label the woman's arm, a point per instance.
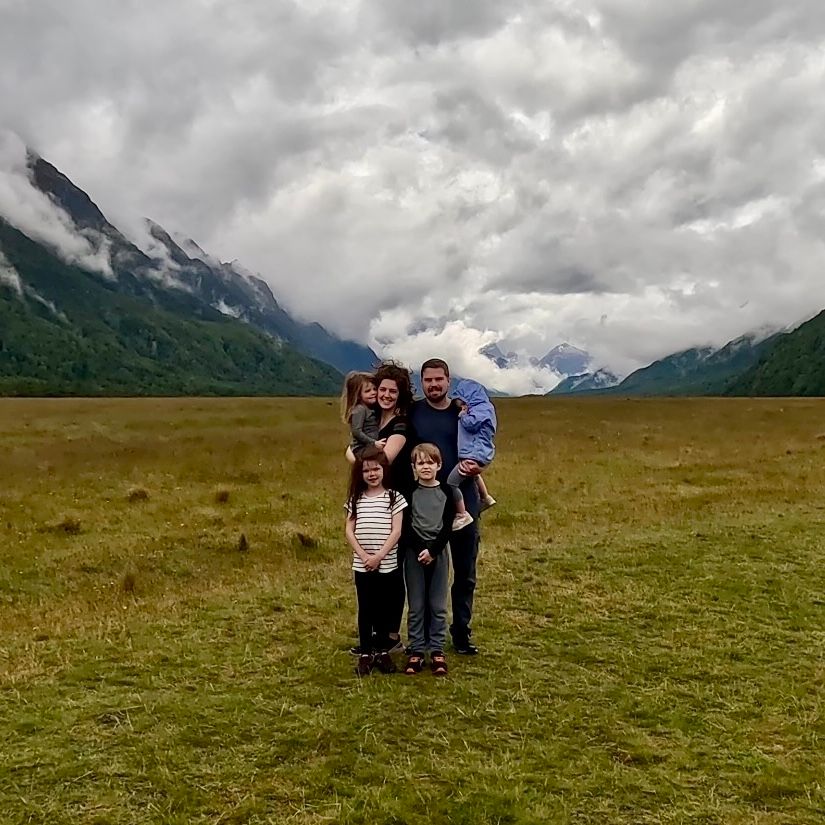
(394, 445)
(349, 532)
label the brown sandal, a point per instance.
(415, 663)
(438, 664)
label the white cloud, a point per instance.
(9, 276)
(34, 214)
(634, 178)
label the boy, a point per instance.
(426, 533)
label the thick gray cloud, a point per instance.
(632, 177)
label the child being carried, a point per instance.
(476, 431)
(358, 410)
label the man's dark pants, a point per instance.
(464, 554)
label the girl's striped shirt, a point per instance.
(373, 524)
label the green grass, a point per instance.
(651, 608)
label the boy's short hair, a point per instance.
(426, 450)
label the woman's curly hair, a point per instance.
(395, 371)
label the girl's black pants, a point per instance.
(377, 596)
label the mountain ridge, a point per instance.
(66, 331)
(208, 282)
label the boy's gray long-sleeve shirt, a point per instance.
(428, 521)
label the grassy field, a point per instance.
(175, 610)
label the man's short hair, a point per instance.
(435, 364)
(426, 450)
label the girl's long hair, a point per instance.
(351, 392)
(357, 485)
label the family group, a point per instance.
(415, 489)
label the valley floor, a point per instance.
(650, 607)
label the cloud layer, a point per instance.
(634, 178)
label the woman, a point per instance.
(394, 400)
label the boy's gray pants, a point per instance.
(427, 588)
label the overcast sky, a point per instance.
(634, 177)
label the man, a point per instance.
(434, 419)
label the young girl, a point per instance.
(358, 410)
(476, 430)
(373, 527)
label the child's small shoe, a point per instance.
(438, 663)
(486, 503)
(461, 521)
(365, 664)
(414, 664)
(384, 662)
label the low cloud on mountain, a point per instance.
(634, 178)
(34, 214)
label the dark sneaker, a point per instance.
(365, 664)
(465, 648)
(384, 662)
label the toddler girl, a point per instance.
(358, 410)
(476, 430)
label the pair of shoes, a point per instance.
(384, 662)
(365, 664)
(461, 521)
(438, 663)
(486, 503)
(415, 662)
(465, 648)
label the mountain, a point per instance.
(565, 359)
(793, 365)
(186, 279)
(120, 321)
(500, 359)
(67, 331)
(699, 370)
(599, 380)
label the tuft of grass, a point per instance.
(128, 582)
(221, 495)
(306, 541)
(137, 494)
(70, 525)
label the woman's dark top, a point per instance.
(401, 469)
